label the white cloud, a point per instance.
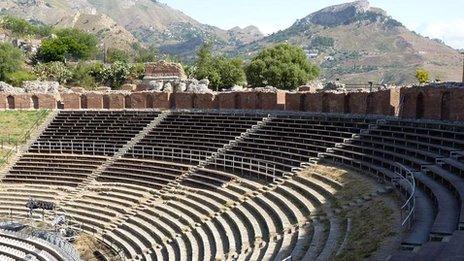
(452, 32)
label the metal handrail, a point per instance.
(406, 175)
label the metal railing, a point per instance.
(23, 139)
(77, 147)
(406, 185)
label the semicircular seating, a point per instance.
(206, 185)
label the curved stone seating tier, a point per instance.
(92, 132)
(208, 185)
(192, 134)
(52, 169)
(150, 174)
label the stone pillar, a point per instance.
(3, 104)
(456, 104)
(314, 102)
(295, 101)
(114, 101)
(23, 101)
(138, 100)
(46, 101)
(161, 100)
(203, 101)
(93, 100)
(183, 100)
(71, 101)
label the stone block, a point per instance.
(183, 100)
(203, 101)
(71, 101)
(227, 100)
(248, 100)
(161, 100)
(23, 101)
(295, 101)
(44, 101)
(114, 101)
(139, 100)
(92, 100)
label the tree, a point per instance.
(422, 76)
(117, 55)
(68, 44)
(284, 66)
(219, 70)
(11, 60)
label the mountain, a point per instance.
(353, 42)
(120, 23)
(357, 43)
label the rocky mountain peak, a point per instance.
(338, 14)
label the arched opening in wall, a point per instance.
(35, 102)
(370, 106)
(106, 101)
(446, 106)
(172, 102)
(325, 103)
(10, 100)
(346, 104)
(150, 101)
(59, 105)
(237, 101)
(83, 102)
(302, 102)
(259, 101)
(127, 101)
(420, 106)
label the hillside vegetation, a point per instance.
(353, 42)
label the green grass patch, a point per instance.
(15, 124)
(371, 225)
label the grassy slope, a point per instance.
(14, 124)
(373, 223)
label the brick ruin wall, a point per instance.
(418, 102)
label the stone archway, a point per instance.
(325, 103)
(420, 106)
(346, 104)
(446, 106)
(35, 102)
(370, 106)
(106, 101)
(10, 101)
(302, 102)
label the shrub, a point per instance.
(18, 77)
(422, 76)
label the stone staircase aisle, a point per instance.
(174, 185)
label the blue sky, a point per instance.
(443, 19)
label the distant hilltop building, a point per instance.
(164, 71)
